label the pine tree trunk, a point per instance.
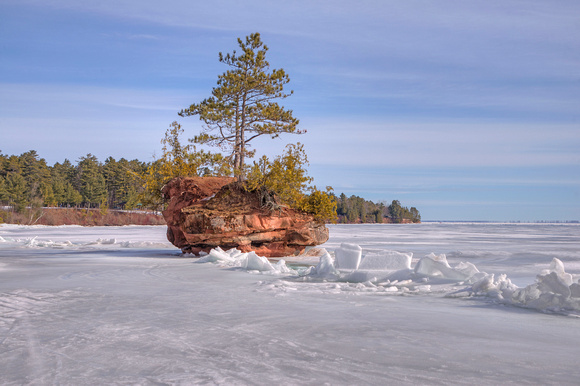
(242, 141)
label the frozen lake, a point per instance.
(120, 305)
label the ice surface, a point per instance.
(76, 310)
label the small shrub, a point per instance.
(320, 204)
(287, 178)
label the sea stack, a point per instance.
(207, 212)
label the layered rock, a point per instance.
(207, 212)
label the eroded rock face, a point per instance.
(207, 212)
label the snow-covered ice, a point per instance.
(384, 304)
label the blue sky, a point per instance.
(467, 110)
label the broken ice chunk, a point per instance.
(553, 283)
(558, 267)
(254, 262)
(348, 256)
(325, 267)
(437, 266)
(216, 255)
(386, 260)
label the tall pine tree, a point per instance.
(242, 106)
(91, 182)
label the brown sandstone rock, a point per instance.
(207, 212)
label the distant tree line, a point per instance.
(355, 209)
(27, 181)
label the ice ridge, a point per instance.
(391, 272)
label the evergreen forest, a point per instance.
(27, 181)
(354, 209)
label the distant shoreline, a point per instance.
(80, 216)
(450, 222)
(500, 222)
(114, 217)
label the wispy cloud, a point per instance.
(85, 119)
(387, 143)
(131, 36)
(53, 98)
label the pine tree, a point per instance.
(72, 196)
(242, 106)
(415, 215)
(122, 182)
(16, 190)
(63, 176)
(91, 181)
(3, 192)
